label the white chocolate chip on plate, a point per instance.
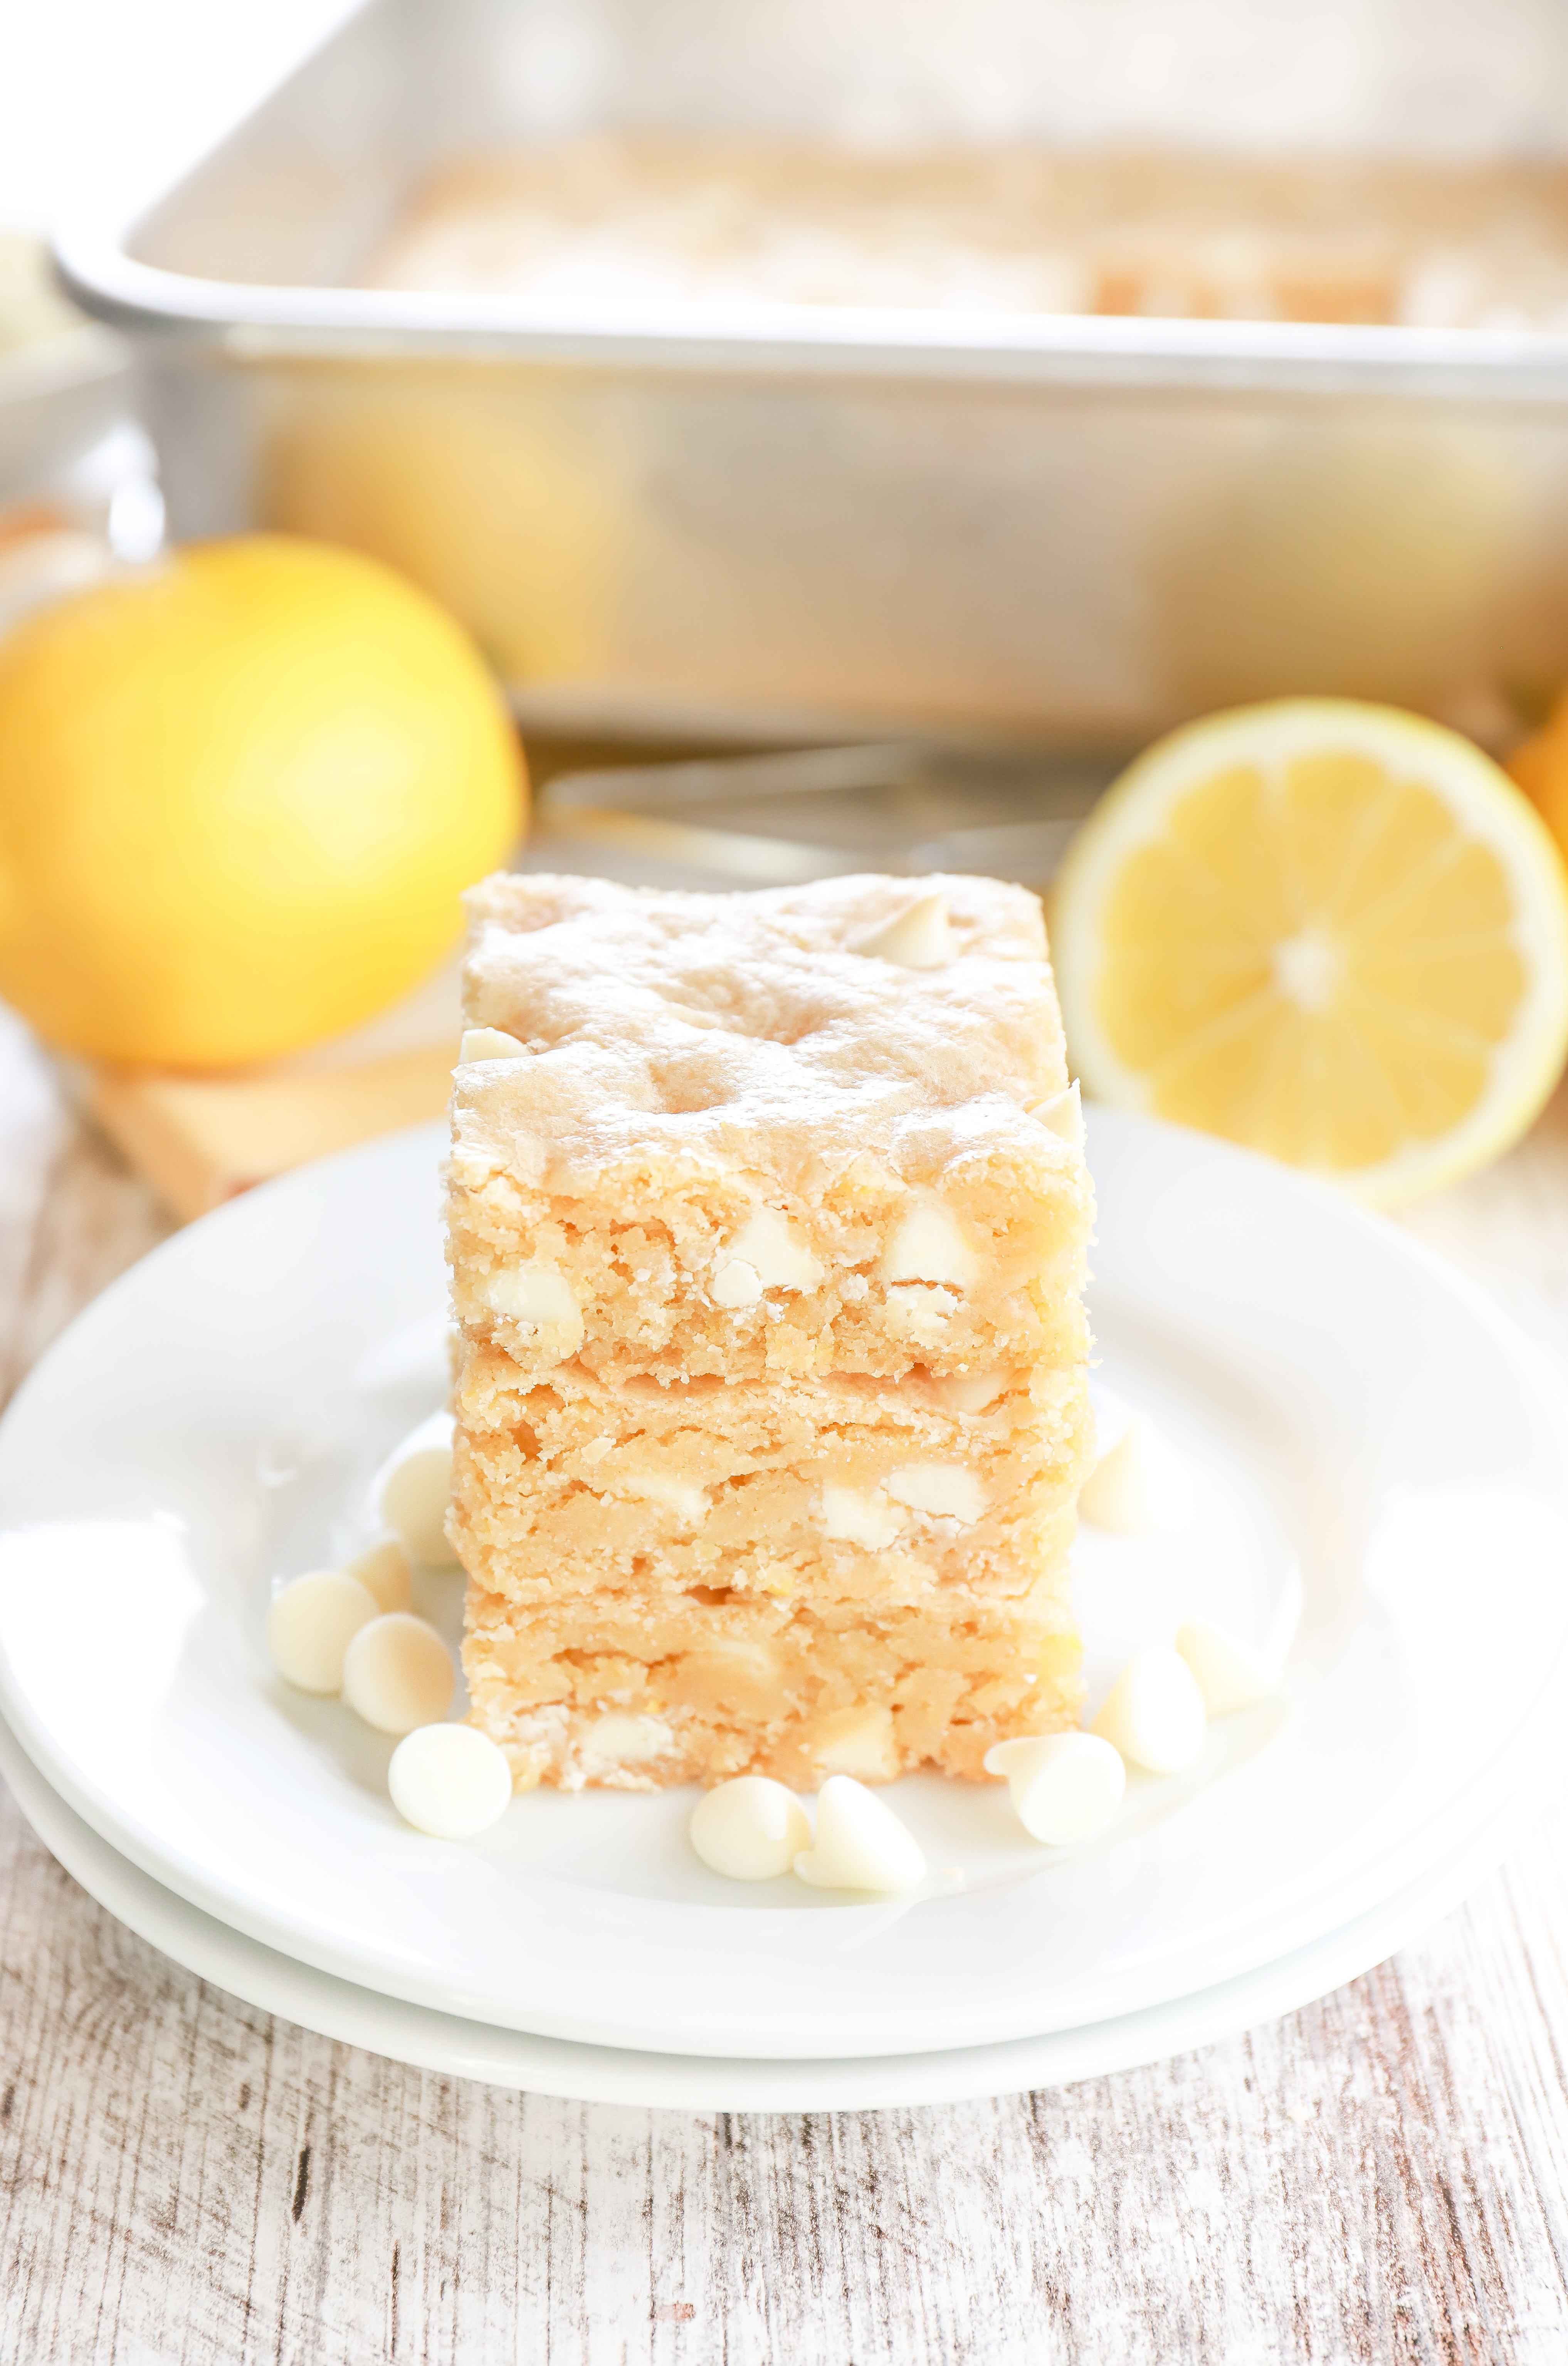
(1231, 1673)
(861, 1844)
(450, 1781)
(397, 1674)
(311, 1624)
(1064, 1786)
(918, 939)
(1153, 1712)
(1138, 1486)
(750, 1829)
(414, 1497)
(383, 1571)
(488, 1044)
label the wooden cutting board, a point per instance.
(200, 1141)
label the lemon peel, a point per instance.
(240, 791)
(1330, 930)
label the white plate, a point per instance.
(1342, 1401)
(607, 2074)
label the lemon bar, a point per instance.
(796, 1689)
(837, 1576)
(575, 1485)
(767, 1218)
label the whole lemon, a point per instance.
(239, 792)
(1540, 768)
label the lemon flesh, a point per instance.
(240, 793)
(1329, 931)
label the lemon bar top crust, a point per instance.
(739, 1143)
(743, 1027)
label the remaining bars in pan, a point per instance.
(767, 1221)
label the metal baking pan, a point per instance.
(817, 812)
(765, 520)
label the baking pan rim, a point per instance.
(255, 322)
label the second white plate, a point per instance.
(1344, 1405)
(608, 2074)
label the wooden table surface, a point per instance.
(1383, 2177)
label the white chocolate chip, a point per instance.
(311, 1624)
(928, 1246)
(1231, 1673)
(451, 1781)
(1138, 1486)
(972, 1391)
(397, 1674)
(769, 1245)
(923, 1309)
(682, 1496)
(488, 1044)
(732, 1673)
(857, 1741)
(383, 1571)
(415, 1498)
(861, 1844)
(620, 1739)
(1064, 1786)
(918, 939)
(1064, 1115)
(946, 1490)
(860, 1515)
(751, 1828)
(1154, 1714)
(736, 1284)
(536, 1296)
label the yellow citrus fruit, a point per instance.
(1330, 930)
(240, 793)
(1540, 768)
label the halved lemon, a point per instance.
(1329, 931)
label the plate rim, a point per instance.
(577, 2070)
(1419, 1850)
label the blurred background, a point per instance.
(847, 432)
(768, 372)
(102, 101)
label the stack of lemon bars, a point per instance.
(767, 1221)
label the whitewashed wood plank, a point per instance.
(155, 2174)
(70, 1216)
(181, 2178)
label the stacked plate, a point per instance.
(1350, 1418)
